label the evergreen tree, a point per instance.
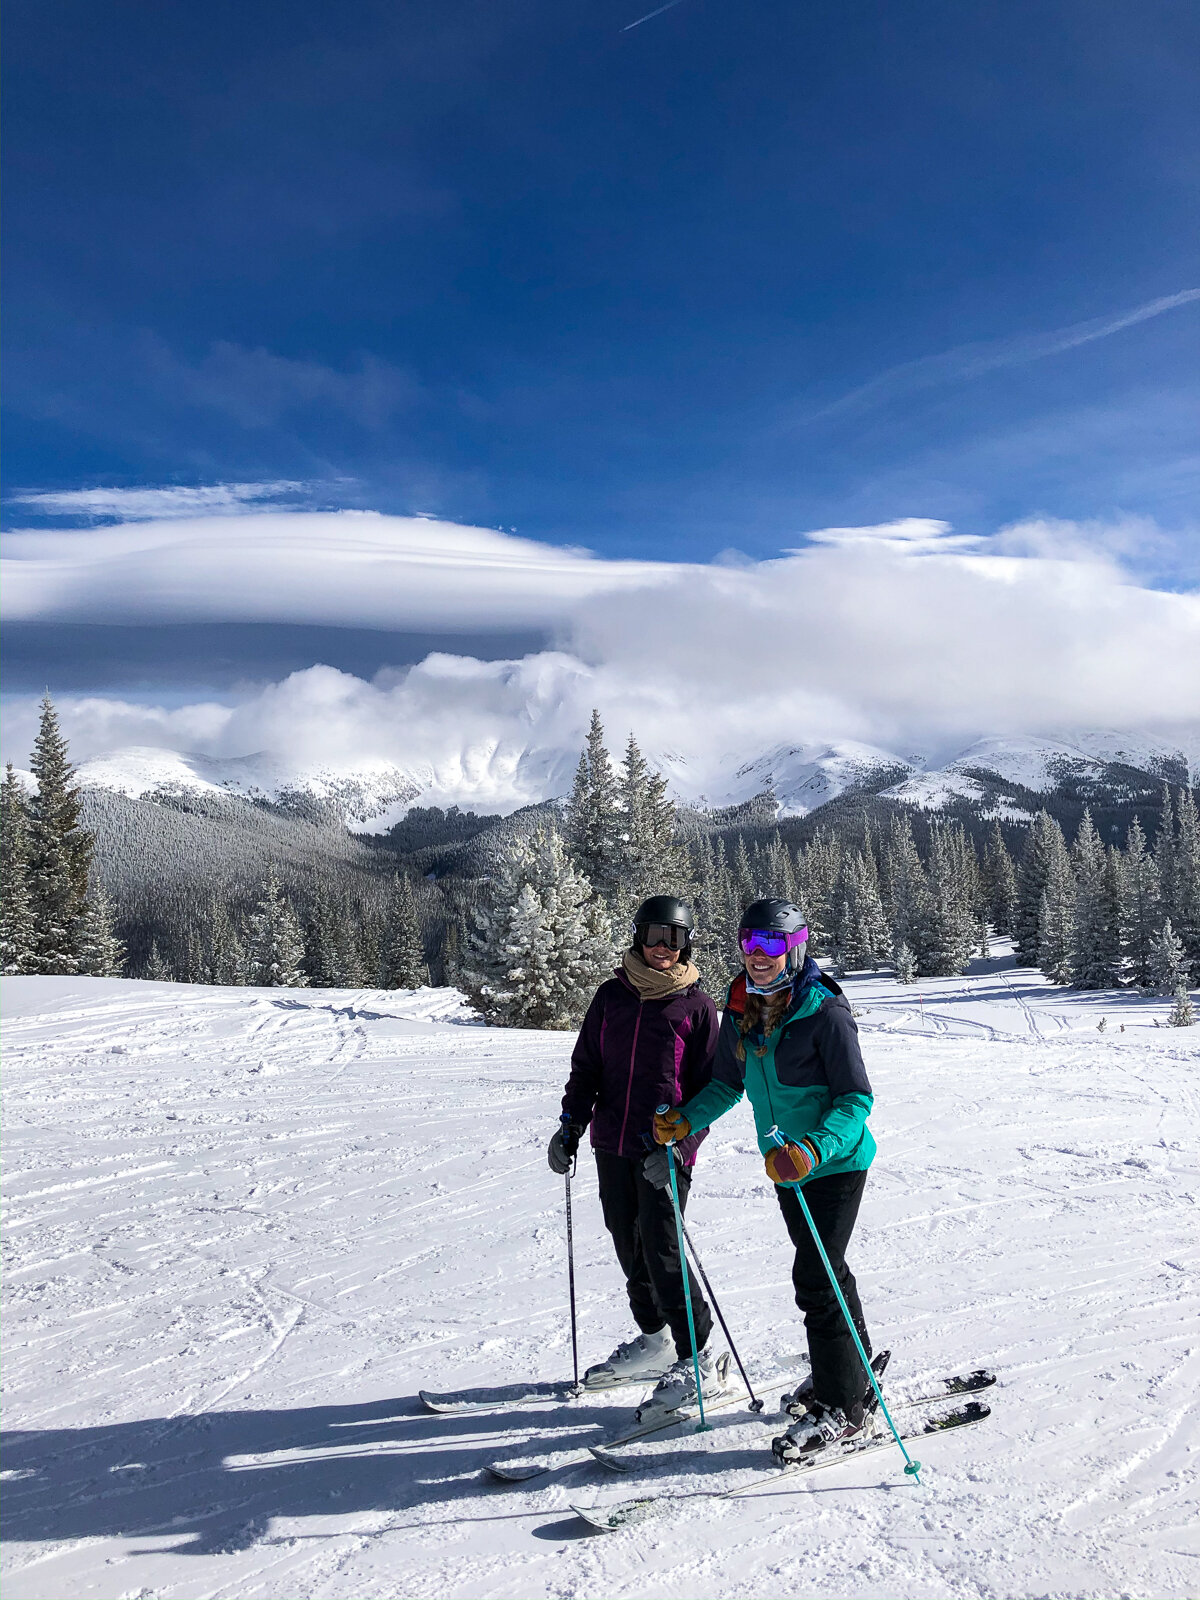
(906, 888)
(745, 883)
(1168, 969)
(60, 851)
(1043, 845)
(906, 964)
(17, 937)
(863, 937)
(592, 822)
(404, 955)
(1164, 851)
(156, 969)
(715, 938)
(542, 941)
(451, 955)
(946, 933)
(1056, 915)
(1141, 905)
(1000, 878)
(227, 963)
(370, 950)
(650, 858)
(100, 953)
(1185, 885)
(1096, 932)
(276, 944)
(1183, 1012)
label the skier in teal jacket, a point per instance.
(788, 1040)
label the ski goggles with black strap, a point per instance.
(668, 933)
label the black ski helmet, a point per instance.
(666, 908)
(777, 916)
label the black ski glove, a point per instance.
(656, 1168)
(563, 1146)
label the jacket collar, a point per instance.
(809, 974)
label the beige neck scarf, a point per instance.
(652, 985)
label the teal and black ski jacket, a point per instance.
(807, 1077)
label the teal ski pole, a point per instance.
(702, 1426)
(912, 1468)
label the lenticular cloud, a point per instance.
(899, 634)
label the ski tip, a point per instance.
(606, 1458)
(513, 1474)
(611, 1519)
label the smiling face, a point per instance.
(761, 969)
(660, 956)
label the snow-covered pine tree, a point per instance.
(1056, 915)
(16, 910)
(1141, 904)
(275, 947)
(226, 954)
(100, 953)
(542, 941)
(1183, 1012)
(60, 851)
(1043, 845)
(593, 827)
(906, 964)
(404, 952)
(906, 888)
(818, 866)
(1168, 968)
(650, 859)
(156, 969)
(947, 932)
(1185, 885)
(1095, 958)
(863, 937)
(1000, 879)
(1164, 851)
(741, 870)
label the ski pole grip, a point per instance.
(661, 1111)
(776, 1135)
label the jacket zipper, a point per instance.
(629, 1087)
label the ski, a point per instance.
(627, 1513)
(938, 1389)
(518, 1470)
(517, 1394)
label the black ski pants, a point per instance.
(641, 1220)
(837, 1370)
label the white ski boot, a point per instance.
(676, 1389)
(646, 1356)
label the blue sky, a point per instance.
(523, 266)
(685, 290)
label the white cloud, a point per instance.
(145, 505)
(903, 635)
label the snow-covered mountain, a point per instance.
(998, 774)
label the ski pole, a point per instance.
(755, 1403)
(912, 1468)
(571, 1276)
(702, 1426)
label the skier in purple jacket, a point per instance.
(648, 1039)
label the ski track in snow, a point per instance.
(243, 1227)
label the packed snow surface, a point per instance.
(246, 1226)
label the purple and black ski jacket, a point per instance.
(634, 1055)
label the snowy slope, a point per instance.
(245, 1226)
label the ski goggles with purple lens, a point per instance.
(656, 933)
(771, 944)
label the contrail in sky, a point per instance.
(973, 360)
(650, 14)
